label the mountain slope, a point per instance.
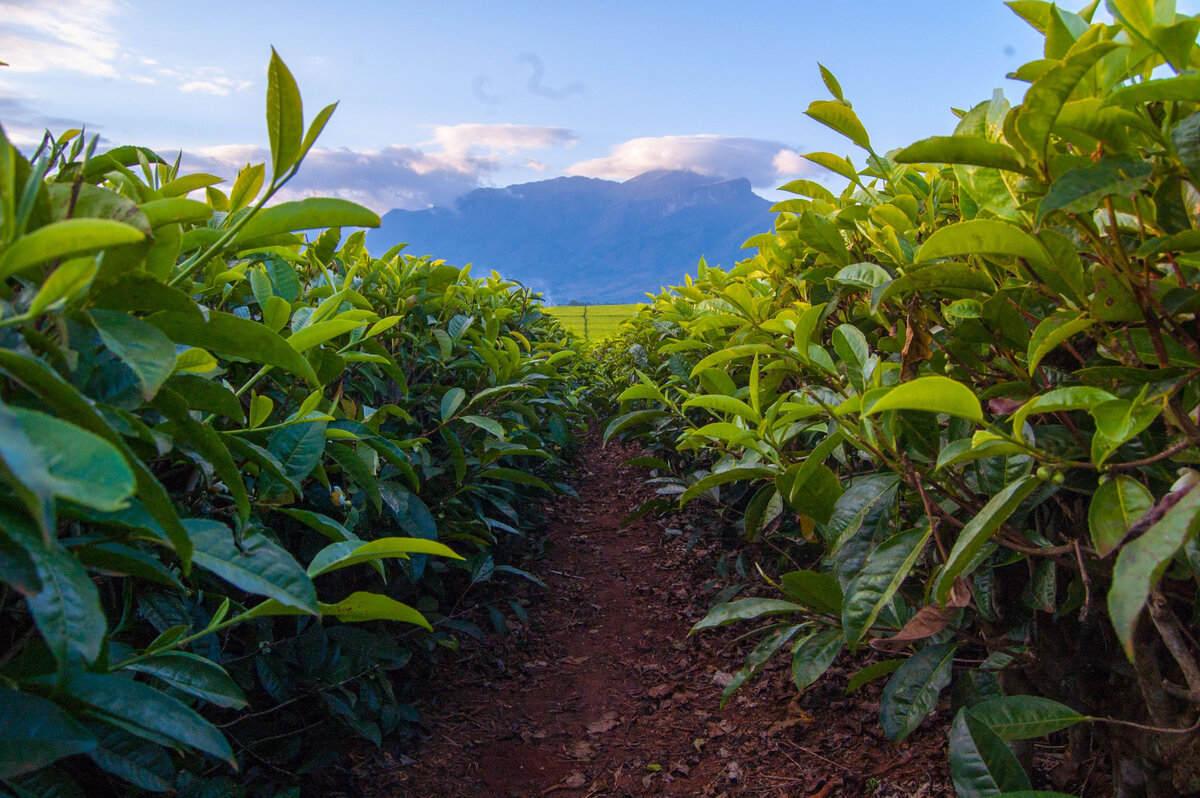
(579, 238)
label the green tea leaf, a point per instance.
(451, 401)
(1142, 561)
(933, 395)
(66, 282)
(981, 764)
(744, 609)
(1044, 100)
(983, 237)
(814, 589)
(1052, 331)
(912, 692)
(147, 352)
(352, 552)
(979, 530)
(838, 116)
(514, 475)
(142, 710)
(306, 214)
(255, 564)
(813, 655)
(1116, 506)
(969, 150)
(872, 589)
(1019, 717)
(95, 475)
(872, 672)
(230, 335)
(35, 732)
(195, 676)
(285, 116)
(66, 239)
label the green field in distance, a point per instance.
(602, 320)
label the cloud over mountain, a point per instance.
(763, 162)
(458, 159)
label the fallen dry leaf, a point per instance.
(605, 723)
(581, 750)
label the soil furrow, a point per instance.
(605, 693)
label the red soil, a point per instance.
(605, 694)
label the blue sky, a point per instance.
(439, 98)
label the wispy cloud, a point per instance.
(25, 126)
(458, 159)
(73, 35)
(81, 36)
(763, 162)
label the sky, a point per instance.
(438, 98)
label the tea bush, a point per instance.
(244, 473)
(962, 395)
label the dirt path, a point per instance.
(606, 695)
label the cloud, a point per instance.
(763, 162)
(73, 35)
(205, 80)
(458, 159)
(25, 126)
(460, 141)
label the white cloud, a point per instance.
(207, 80)
(73, 35)
(80, 36)
(205, 87)
(460, 158)
(461, 145)
(762, 162)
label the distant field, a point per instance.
(602, 320)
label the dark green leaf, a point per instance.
(1116, 506)
(1019, 717)
(912, 692)
(981, 764)
(256, 564)
(205, 440)
(872, 589)
(35, 732)
(979, 530)
(142, 710)
(298, 447)
(67, 610)
(814, 589)
(813, 655)
(1141, 563)
(744, 609)
(195, 676)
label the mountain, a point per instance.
(580, 238)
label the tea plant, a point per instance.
(962, 395)
(234, 458)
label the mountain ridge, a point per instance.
(588, 239)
